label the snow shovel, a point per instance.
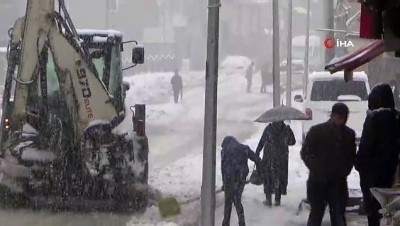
(169, 207)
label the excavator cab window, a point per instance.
(106, 58)
(115, 78)
(52, 80)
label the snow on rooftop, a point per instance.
(339, 74)
(110, 33)
(100, 39)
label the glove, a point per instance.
(223, 188)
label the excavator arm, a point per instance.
(68, 142)
(88, 101)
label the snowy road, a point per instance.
(175, 134)
(176, 137)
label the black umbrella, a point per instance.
(282, 113)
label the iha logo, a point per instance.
(331, 43)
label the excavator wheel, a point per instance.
(131, 191)
(9, 199)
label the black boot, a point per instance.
(268, 200)
(277, 199)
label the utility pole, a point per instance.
(275, 54)
(307, 44)
(330, 12)
(210, 117)
(289, 56)
(107, 17)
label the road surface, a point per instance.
(171, 138)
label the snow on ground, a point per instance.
(177, 173)
(285, 215)
(176, 132)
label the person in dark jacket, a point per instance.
(275, 140)
(329, 152)
(249, 76)
(177, 86)
(265, 73)
(234, 169)
(378, 152)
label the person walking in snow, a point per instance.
(275, 141)
(234, 169)
(329, 152)
(378, 152)
(177, 86)
(265, 73)
(249, 76)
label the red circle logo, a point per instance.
(330, 43)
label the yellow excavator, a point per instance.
(62, 141)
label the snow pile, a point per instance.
(156, 88)
(236, 61)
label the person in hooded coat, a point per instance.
(377, 157)
(275, 141)
(234, 169)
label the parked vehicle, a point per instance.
(235, 65)
(324, 89)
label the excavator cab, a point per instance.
(105, 52)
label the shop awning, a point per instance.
(356, 59)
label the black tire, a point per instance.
(134, 194)
(8, 199)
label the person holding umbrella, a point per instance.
(275, 141)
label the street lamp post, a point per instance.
(275, 54)
(307, 44)
(210, 117)
(289, 56)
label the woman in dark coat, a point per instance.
(377, 157)
(234, 169)
(275, 141)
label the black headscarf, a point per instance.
(381, 96)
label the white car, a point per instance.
(235, 65)
(323, 90)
